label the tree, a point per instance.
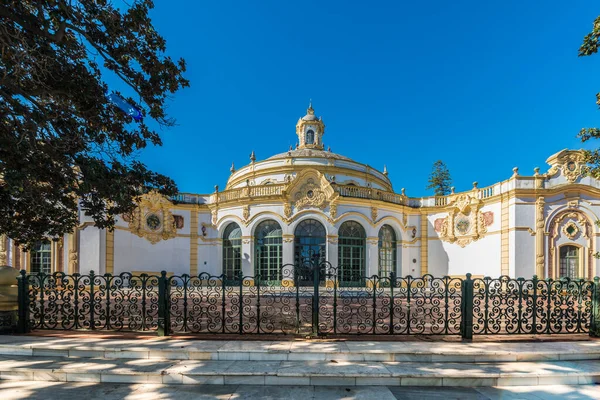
(589, 47)
(63, 143)
(440, 180)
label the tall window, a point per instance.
(232, 250)
(569, 262)
(41, 256)
(310, 239)
(387, 251)
(310, 137)
(351, 252)
(268, 250)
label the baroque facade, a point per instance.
(309, 202)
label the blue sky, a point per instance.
(482, 85)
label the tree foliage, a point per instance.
(589, 47)
(63, 144)
(440, 180)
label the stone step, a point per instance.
(301, 350)
(342, 373)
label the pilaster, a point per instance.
(424, 244)
(194, 242)
(247, 261)
(372, 256)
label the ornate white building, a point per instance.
(310, 201)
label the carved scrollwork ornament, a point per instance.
(333, 211)
(465, 222)
(152, 219)
(374, 214)
(571, 163)
(310, 189)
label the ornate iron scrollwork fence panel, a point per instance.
(97, 302)
(309, 300)
(531, 306)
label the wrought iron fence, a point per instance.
(301, 304)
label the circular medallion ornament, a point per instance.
(462, 225)
(571, 166)
(153, 222)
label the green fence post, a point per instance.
(23, 314)
(594, 322)
(163, 305)
(466, 326)
(92, 316)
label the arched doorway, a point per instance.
(310, 240)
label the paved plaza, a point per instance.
(16, 390)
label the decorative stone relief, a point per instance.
(3, 251)
(178, 221)
(570, 230)
(569, 162)
(310, 189)
(333, 210)
(213, 214)
(287, 210)
(152, 219)
(374, 214)
(465, 223)
(246, 213)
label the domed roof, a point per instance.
(310, 114)
(309, 153)
(310, 117)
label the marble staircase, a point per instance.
(299, 362)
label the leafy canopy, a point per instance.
(62, 142)
(440, 180)
(589, 47)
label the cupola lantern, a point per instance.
(310, 130)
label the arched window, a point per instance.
(309, 240)
(232, 250)
(268, 250)
(387, 251)
(310, 137)
(41, 258)
(351, 253)
(569, 262)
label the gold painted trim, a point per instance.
(424, 244)
(110, 251)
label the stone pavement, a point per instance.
(17, 390)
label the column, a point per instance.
(73, 252)
(287, 259)
(247, 261)
(372, 256)
(332, 253)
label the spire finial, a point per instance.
(232, 169)
(310, 110)
(252, 156)
(385, 170)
